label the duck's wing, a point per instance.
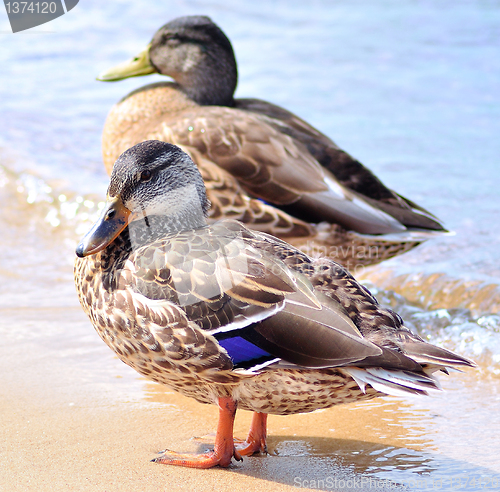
(346, 169)
(275, 167)
(383, 327)
(252, 305)
(230, 302)
(263, 160)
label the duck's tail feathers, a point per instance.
(430, 355)
(393, 382)
(398, 220)
(408, 213)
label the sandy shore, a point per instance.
(49, 447)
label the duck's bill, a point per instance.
(137, 66)
(114, 218)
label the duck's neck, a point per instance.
(211, 85)
(151, 228)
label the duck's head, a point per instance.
(195, 53)
(157, 188)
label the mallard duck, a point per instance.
(231, 316)
(261, 164)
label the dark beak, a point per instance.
(114, 218)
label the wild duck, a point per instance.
(231, 316)
(261, 164)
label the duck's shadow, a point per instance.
(344, 464)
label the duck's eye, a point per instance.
(146, 175)
(172, 39)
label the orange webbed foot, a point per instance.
(256, 440)
(224, 449)
(254, 443)
(206, 460)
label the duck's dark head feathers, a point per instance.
(199, 57)
(149, 174)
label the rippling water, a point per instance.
(409, 88)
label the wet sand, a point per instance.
(55, 444)
(76, 446)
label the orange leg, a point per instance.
(256, 440)
(224, 449)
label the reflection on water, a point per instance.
(439, 290)
(458, 329)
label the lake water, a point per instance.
(410, 88)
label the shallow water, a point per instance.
(409, 88)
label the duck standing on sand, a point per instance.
(261, 164)
(231, 316)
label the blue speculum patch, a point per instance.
(242, 351)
